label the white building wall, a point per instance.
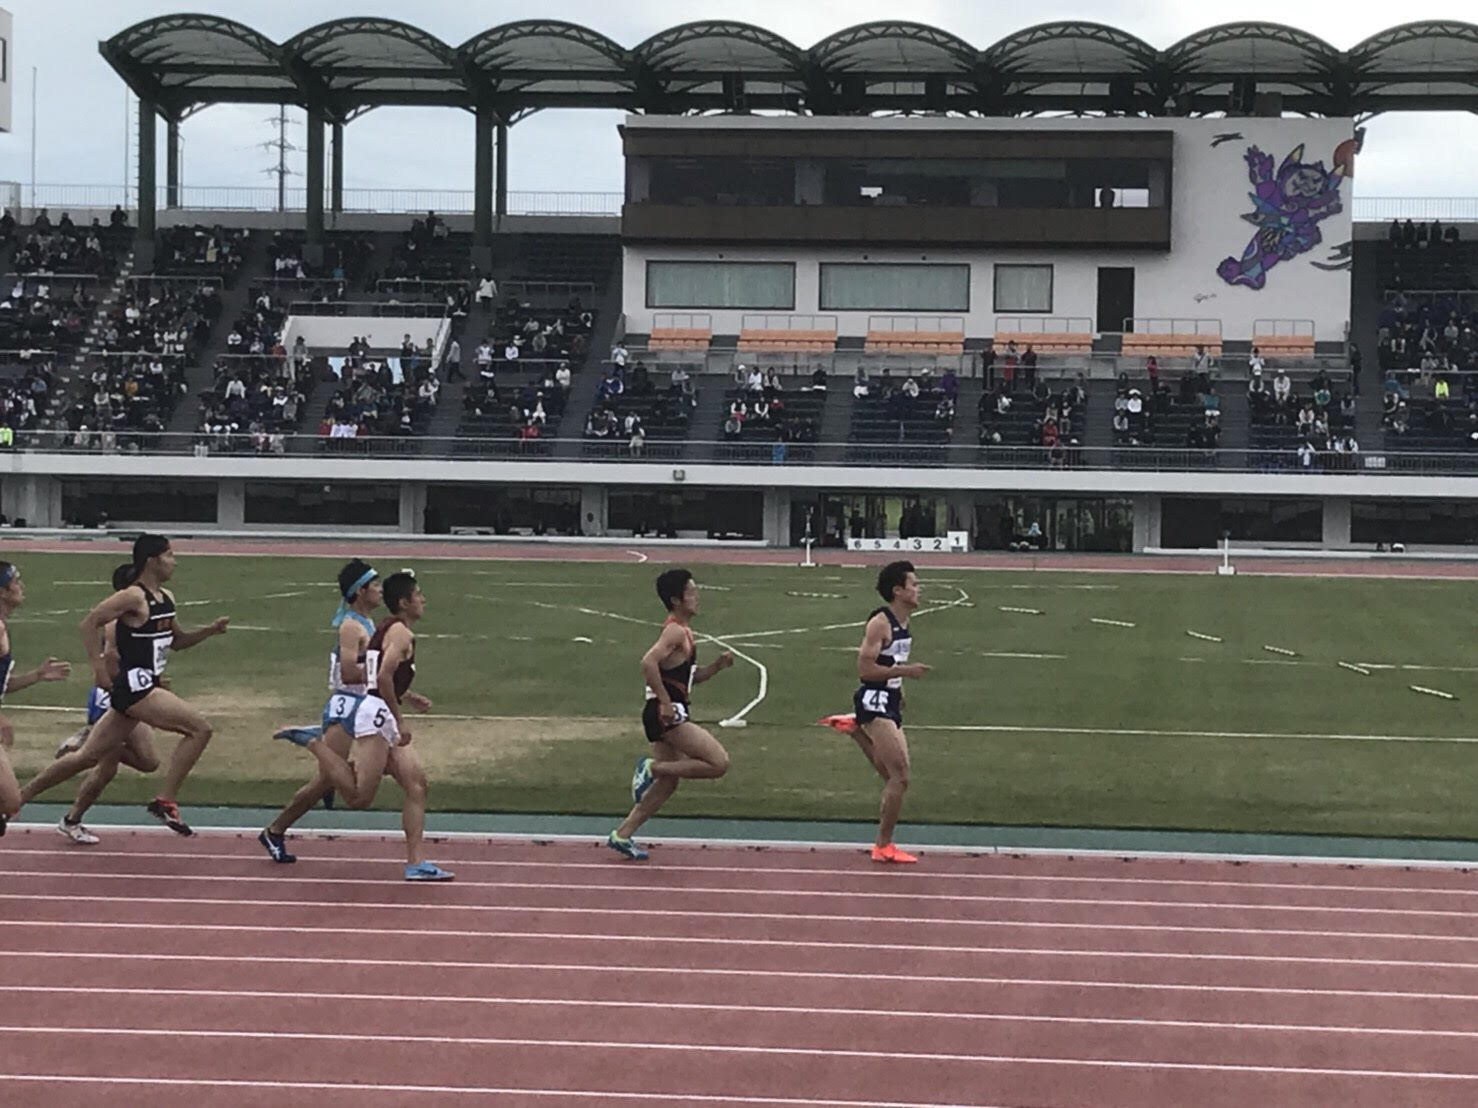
(1210, 188)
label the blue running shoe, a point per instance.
(299, 736)
(642, 779)
(626, 847)
(427, 871)
(276, 846)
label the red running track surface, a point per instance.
(152, 970)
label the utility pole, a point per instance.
(283, 147)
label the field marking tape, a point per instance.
(1353, 668)
(1431, 692)
(1020, 611)
(1148, 733)
(1112, 622)
(1281, 650)
(1021, 654)
(1203, 638)
(628, 1046)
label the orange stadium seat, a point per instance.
(786, 341)
(1285, 346)
(915, 342)
(1170, 344)
(1055, 342)
(679, 338)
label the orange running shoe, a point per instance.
(892, 854)
(846, 724)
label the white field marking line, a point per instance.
(109, 956)
(794, 917)
(628, 1046)
(960, 601)
(181, 603)
(52, 926)
(1204, 638)
(1184, 659)
(484, 1091)
(1019, 654)
(869, 875)
(1148, 733)
(1112, 622)
(1020, 611)
(640, 557)
(1431, 692)
(1281, 650)
(1272, 662)
(767, 1009)
(1353, 668)
(746, 891)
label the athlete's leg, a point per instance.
(105, 738)
(137, 752)
(860, 737)
(336, 739)
(371, 755)
(10, 790)
(696, 754)
(890, 752)
(405, 766)
(657, 794)
(165, 711)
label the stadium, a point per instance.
(1179, 434)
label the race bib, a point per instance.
(875, 700)
(140, 680)
(161, 652)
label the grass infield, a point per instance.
(1061, 720)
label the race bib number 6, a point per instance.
(140, 680)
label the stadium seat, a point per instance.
(1171, 344)
(785, 341)
(679, 338)
(1285, 346)
(1057, 342)
(915, 342)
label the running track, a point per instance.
(157, 971)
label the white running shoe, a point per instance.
(74, 741)
(77, 833)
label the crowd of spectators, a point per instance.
(922, 405)
(1425, 337)
(1016, 367)
(1426, 256)
(1056, 422)
(1321, 416)
(381, 394)
(62, 247)
(629, 404)
(202, 251)
(25, 387)
(427, 252)
(347, 259)
(37, 314)
(535, 347)
(1155, 414)
(258, 392)
(757, 407)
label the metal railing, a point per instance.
(259, 198)
(1449, 209)
(377, 308)
(739, 451)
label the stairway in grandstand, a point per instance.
(1365, 310)
(72, 378)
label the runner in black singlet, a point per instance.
(145, 635)
(680, 748)
(12, 596)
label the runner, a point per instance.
(680, 748)
(137, 751)
(146, 632)
(360, 592)
(882, 664)
(12, 596)
(381, 740)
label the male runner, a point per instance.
(680, 748)
(137, 751)
(381, 740)
(12, 596)
(882, 664)
(360, 592)
(146, 632)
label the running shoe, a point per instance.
(846, 723)
(276, 846)
(299, 736)
(893, 855)
(627, 847)
(76, 832)
(4, 819)
(167, 812)
(427, 871)
(74, 741)
(642, 779)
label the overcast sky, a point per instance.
(81, 110)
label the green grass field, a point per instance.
(530, 716)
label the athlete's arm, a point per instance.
(670, 640)
(703, 673)
(124, 602)
(184, 640)
(110, 650)
(352, 640)
(394, 649)
(874, 639)
(49, 670)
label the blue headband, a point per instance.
(7, 576)
(343, 612)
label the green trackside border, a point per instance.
(954, 838)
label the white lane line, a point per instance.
(868, 875)
(94, 876)
(1112, 622)
(737, 916)
(110, 956)
(640, 557)
(767, 1009)
(629, 1046)
(181, 603)
(1019, 654)
(591, 1095)
(603, 938)
(1048, 729)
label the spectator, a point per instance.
(818, 379)
(619, 356)
(453, 361)
(1256, 363)
(510, 351)
(1282, 387)
(487, 290)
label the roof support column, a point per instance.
(482, 188)
(501, 188)
(336, 169)
(144, 239)
(172, 164)
(314, 175)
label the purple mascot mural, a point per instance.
(1287, 207)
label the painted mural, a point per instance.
(1288, 204)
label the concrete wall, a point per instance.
(1210, 188)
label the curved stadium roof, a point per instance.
(179, 62)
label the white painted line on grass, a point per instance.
(1353, 668)
(1204, 638)
(1144, 732)
(106, 957)
(1281, 650)
(1020, 611)
(1112, 622)
(629, 1047)
(766, 1009)
(1431, 692)
(1021, 654)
